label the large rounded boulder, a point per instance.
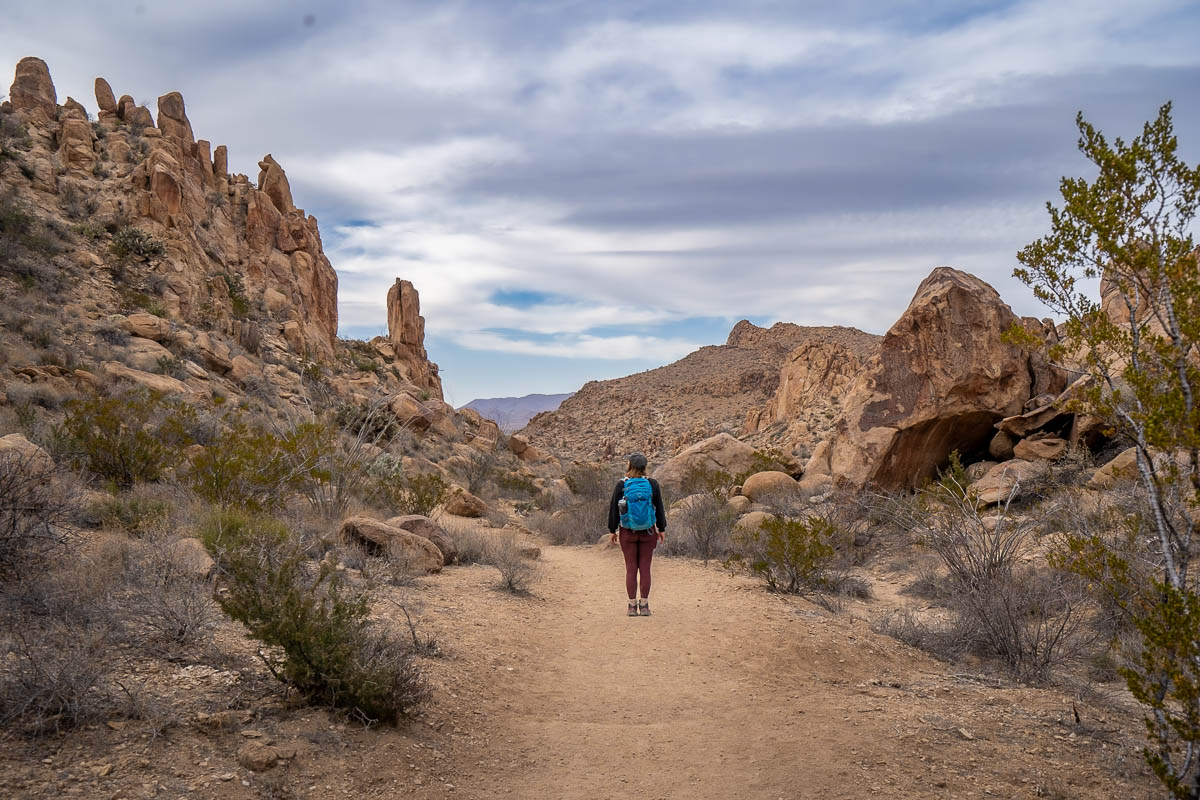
(716, 454)
(762, 485)
(417, 552)
(424, 526)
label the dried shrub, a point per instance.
(33, 508)
(166, 601)
(517, 571)
(701, 479)
(137, 513)
(478, 469)
(702, 529)
(581, 523)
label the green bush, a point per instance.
(231, 529)
(406, 494)
(133, 513)
(374, 424)
(320, 640)
(126, 438)
(700, 479)
(790, 555)
(246, 467)
(136, 242)
(237, 293)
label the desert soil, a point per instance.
(725, 692)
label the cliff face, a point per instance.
(664, 410)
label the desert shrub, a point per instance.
(165, 601)
(936, 638)
(128, 437)
(581, 523)
(470, 541)
(702, 530)
(53, 674)
(590, 482)
(362, 420)
(111, 333)
(231, 529)
(478, 469)
(246, 467)
(701, 479)
(517, 571)
(129, 241)
(516, 483)
(42, 395)
(759, 462)
(977, 552)
(320, 640)
(398, 493)
(77, 204)
(170, 366)
(790, 555)
(88, 230)
(33, 509)
(236, 288)
(137, 513)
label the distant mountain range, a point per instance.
(513, 413)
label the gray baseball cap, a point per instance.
(637, 461)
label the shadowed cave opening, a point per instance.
(917, 453)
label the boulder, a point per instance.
(105, 99)
(221, 162)
(720, 453)
(1123, 467)
(748, 523)
(424, 526)
(943, 376)
(462, 503)
(147, 326)
(15, 446)
(75, 151)
(740, 504)
(998, 484)
(243, 369)
(1049, 448)
(417, 552)
(155, 383)
(32, 90)
(138, 117)
(517, 444)
(978, 470)
(766, 484)
(172, 119)
(258, 756)
(144, 354)
(1047, 410)
(1001, 446)
(410, 412)
(189, 556)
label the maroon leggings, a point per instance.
(638, 548)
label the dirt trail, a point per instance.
(729, 692)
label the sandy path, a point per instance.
(729, 692)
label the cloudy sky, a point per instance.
(585, 189)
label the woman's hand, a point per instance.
(612, 538)
(662, 536)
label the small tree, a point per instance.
(1131, 229)
(128, 437)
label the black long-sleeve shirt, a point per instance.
(614, 513)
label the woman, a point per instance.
(637, 508)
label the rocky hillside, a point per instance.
(131, 256)
(514, 413)
(663, 410)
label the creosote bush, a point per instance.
(126, 438)
(320, 640)
(790, 555)
(398, 493)
(129, 241)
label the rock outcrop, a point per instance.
(943, 377)
(32, 91)
(406, 336)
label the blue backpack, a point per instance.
(639, 499)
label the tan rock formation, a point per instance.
(416, 552)
(720, 453)
(138, 117)
(1004, 480)
(155, 383)
(424, 526)
(105, 99)
(462, 503)
(273, 181)
(942, 378)
(406, 335)
(1123, 467)
(1049, 448)
(15, 446)
(766, 484)
(172, 118)
(32, 90)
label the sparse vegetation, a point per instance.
(790, 555)
(399, 493)
(129, 241)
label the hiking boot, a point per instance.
(633, 609)
(644, 607)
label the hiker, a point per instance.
(637, 508)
